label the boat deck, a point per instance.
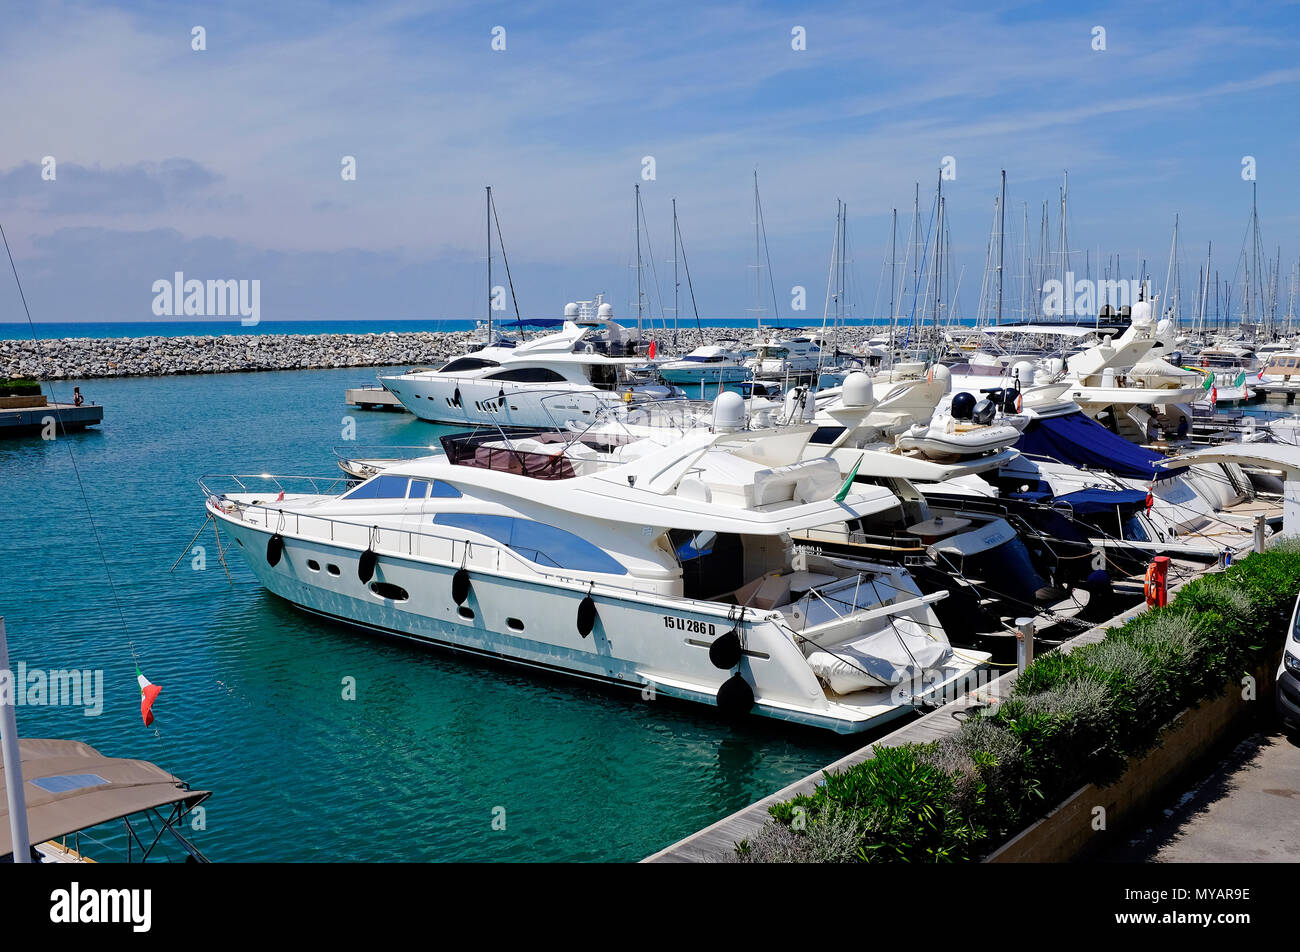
(373, 398)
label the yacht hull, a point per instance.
(656, 644)
(470, 402)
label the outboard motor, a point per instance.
(963, 404)
(984, 412)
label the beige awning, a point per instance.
(70, 786)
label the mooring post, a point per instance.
(1259, 533)
(1024, 643)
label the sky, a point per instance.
(225, 162)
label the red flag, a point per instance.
(652, 350)
(280, 498)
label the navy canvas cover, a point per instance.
(1079, 441)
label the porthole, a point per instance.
(332, 569)
(465, 612)
(313, 565)
(390, 591)
(514, 624)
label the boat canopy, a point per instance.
(1076, 440)
(70, 786)
(1091, 501)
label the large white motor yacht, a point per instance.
(667, 568)
(500, 385)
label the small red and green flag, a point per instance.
(148, 691)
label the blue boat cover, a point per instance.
(1079, 441)
(1086, 501)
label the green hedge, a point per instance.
(19, 388)
(1071, 719)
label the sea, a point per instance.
(318, 742)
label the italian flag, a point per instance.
(148, 691)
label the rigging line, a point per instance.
(681, 246)
(767, 253)
(663, 319)
(511, 281)
(76, 470)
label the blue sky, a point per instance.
(225, 163)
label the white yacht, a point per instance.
(710, 364)
(779, 357)
(503, 383)
(666, 568)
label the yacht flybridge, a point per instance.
(503, 383)
(661, 567)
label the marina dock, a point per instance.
(67, 418)
(373, 398)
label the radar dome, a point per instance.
(1141, 312)
(857, 391)
(1023, 370)
(728, 412)
(570, 310)
(606, 312)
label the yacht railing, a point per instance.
(421, 544)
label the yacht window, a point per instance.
(390, 591)
(527, 375)
(537, 542)
(380, 487)
(1134, 531)
(443, 490)
(461, 364)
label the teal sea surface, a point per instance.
(434, 747)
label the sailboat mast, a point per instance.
(893, 261)
(489, 266)
(638, 260)
(676, 283)
(758, 263)
(938, 259)
(1002, 224)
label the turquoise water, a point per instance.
(252, 706)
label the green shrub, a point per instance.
(834, 838)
